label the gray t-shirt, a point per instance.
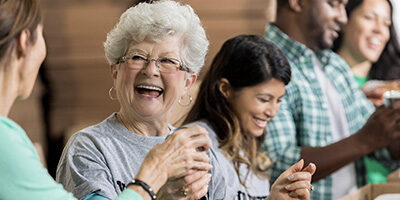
(105, 157)
(256, 187)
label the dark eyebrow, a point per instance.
(272, 96)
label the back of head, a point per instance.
(16, 16)
(154, 20)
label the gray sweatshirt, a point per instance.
(105, 157)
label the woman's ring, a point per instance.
(184, 191)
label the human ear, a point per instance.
(23, 43)
(190, 80)
(225, 87)
(114, 71)
(296, 5)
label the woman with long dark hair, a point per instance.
(240, 93)
(369, 44)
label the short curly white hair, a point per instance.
(158, 19)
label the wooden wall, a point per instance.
(76, 71)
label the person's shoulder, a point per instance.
(205, 124)
(11, 132)
(92, 135)
(335, 59)
(210, 130)
(7, 124)
(102, 129)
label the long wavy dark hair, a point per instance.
(245, 61)
(387, 67)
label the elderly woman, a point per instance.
(22, 50)
(238, 96)
(155, 53)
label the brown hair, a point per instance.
(245, 61)
(16, 16)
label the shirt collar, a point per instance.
(293, 49)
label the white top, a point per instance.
(256, 188)
(344, 179)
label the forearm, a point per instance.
(330, 158)
(152, 176)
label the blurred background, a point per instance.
(71, 91)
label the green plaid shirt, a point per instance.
(303, 119)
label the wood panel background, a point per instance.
(76, 73)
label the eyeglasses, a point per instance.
(163, 64)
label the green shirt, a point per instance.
(376, 172)
(303, 118)
(22, 176)
(360, 80)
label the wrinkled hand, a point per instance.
(179, 161)
(192, 186)
(294, 183)
(382, 128)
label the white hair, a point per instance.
(156, 20)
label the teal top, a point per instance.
(22, 174)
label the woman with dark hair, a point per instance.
(240, 93)
(369, 45)
(22, 176)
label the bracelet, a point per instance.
(146, 187)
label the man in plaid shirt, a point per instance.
(324, 117)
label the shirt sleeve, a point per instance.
(22, 176)
(95, 196)
(280, 141)
(83, 170)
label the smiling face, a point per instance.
(147, 92)
(367, 32)
(256, 105)
(324, 19)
